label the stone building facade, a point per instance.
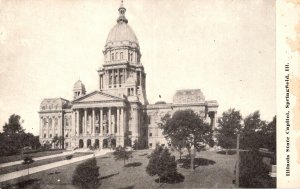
(119, 112)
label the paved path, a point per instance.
(36, 159)
(36, 169)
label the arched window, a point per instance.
(131, 55)
(44, 122)
(50, 122)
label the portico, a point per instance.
(96, 118)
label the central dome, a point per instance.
(121, 32)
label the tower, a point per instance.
(122, 73)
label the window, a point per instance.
(150, 144)
(50, 135)
(45, 135)
(67, 122)
(121, 55)
(67, 144)
(131, 55)
(112, 57)
(150, 134)
(67, 135)
(55, 122)
(50, 122)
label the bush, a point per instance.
(253, 172)
(69, 156)
(86, 175)
(161, 163)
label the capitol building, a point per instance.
(118, 113)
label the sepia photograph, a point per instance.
(138, 94)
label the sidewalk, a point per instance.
(36, 159)
(32, 170)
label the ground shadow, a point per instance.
(176, 178)
(24, 184)
(134, 164)
(186, 163)
(226, 152)
(127, 187)
(54, 173)
(104, 157)
(143, 154)
(108, 176)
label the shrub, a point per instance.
(253, 172)
(69, 156)
(161, 163)
(86, 175)
(120, 153)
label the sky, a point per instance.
(224, 47)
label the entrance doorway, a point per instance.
(105, 143)
(80, 143)
(89, 143)
(97, 143)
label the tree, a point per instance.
(14, 139)
(186, 126)
(228, 127)
(27, 161)
(86, 175)
(121, 154)
(252, 137)
(269, 132)
(161, 163)
(57, 140)
(13, 125)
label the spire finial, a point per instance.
(122, 11)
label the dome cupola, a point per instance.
(78, 89)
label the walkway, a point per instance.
(36, 159)
(17, 174)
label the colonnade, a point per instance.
(100, 121)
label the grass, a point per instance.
(216, 171)
(19, 167)
(33, 155)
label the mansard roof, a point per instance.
(49, 104)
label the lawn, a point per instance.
(212, 170)
(19, 167)
(34, 155)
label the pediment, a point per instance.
(97, 96)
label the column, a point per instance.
(141, 80)
(77, 123)
(52, 125)
(101, 121)
(41, 127)
(93, 121)
(118, 121)
(85, 120)
(122, 122)
(73, 124)
(109, 120)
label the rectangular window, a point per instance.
(149, 119)
(150, 134)
(45, 136)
